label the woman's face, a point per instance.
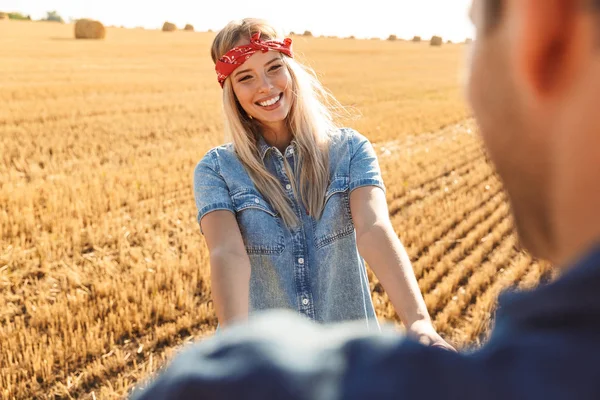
(262, 86)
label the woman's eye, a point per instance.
(244, 78)
(275, 67)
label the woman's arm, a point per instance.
(379, 245)
(229, 266)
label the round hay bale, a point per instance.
(436, 41)
(169, 27)
(416, 39)
(3, 15)
(189, 27)
(89, 29)
(392, 38)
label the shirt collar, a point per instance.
(263, 146)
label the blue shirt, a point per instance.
(313, 268)
(546, 345)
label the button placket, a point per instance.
(283, 176)
(305, 297)
(301, 274)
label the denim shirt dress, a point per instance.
(313, 268)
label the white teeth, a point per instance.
(270, 102)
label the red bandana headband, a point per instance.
(238, 55)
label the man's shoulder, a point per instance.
(284, 355)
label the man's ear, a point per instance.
(548, 39)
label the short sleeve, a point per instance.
(364, 167)
(210, 189)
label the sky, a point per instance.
(363, 19)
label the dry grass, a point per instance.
(103, 271)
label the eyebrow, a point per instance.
(248, 70)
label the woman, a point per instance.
(293, 205)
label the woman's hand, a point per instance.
(425, 333)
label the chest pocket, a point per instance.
(260, 226)
(336, 220)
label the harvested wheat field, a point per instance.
(103, 270)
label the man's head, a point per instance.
(534, 86)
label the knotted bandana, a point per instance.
(238, 55)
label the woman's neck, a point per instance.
(277, 135)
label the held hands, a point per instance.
(424, 332)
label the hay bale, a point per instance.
(189, 27)
(89, 29)
(416, 39)
(307, 33)
(392, 38)
(436, 41)
(169, 27)
(3, 15)
(468, 41)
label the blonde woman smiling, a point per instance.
(293, 207)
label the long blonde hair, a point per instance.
(310, 121)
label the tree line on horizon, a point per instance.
(435, 40)
(53, 16)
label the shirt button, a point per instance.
(288, 186)
(256, 201)
(292, 150)
(301, 260)
(305, 302)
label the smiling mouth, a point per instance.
(271, 102)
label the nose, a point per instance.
(264, 83)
